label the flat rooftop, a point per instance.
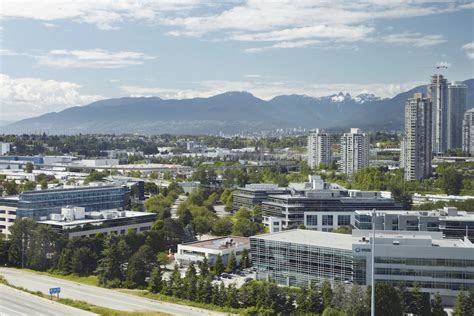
(128, 214)
(220, 243)
(345, 242)
(312, 238)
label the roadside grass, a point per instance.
(175, 300)
(89, 280)
(104, 311)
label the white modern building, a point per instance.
(457, 101)
(416, 147)
(301, 257)
(328, 221)
(224, 246)
(468, 132)
(8, 207)
(354, 151)
(75, 221)
(438, 94)
(4, 148)
(319, 149)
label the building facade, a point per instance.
(253, 195)
(319, 149)
(453, 224)
(438, 94)
(303, 257)
(457, 101)
(354, 151)
(76, 222)
(212, 248)
(8, 207)
(39, 204)
(468, 132)
(292, 209)
(417, 151)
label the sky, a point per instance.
(56, 54)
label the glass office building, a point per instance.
(39, 204)
(300, 257)
(296, 258)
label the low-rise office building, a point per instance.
(293, 207)
(8, 207)
(76, 222)
(39, 204)
(224, 246)
(253, 195)
(451, 222)
(303, 257)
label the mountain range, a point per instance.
(230, 112)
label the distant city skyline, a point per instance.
(56, 54)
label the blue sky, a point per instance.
(57, 54)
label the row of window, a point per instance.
(328, 220)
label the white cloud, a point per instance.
(469, 49)
(290, 44)
(105, 14)
(51, 25)
(415, 39)
(93, 58)
(27, 97)
(269, 89)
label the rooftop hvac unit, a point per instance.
(56, 217)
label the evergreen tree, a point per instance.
(463, 305)
(111, 266)
(437, 309)
(218, 265)
(190, 282)
(156, 280)
(64, 262)
(231, 263)
(339, 296)
(387, 300)
(244, 259)
(419, 302)
(176, 283)
(326, 292)
(302, 301)
(356, 302)
(231, 296)
(83, 261)
(315, 301)
(204, 294)
(204, 267)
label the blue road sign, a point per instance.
(54, 290)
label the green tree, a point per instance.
(231, 263)
(326, 292)
(29, 167)
(44, 184)
(21, 240)
(155, 284)
(244, 259)
(222, 226)
(420, 304)
(83, 261)
(437, 309)
(387, 300)
(111, 267)
(333, 312)
(452, 181)
(204, 267)
(218, 265)
(463, 304)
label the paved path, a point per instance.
(14, 302)
(96, 295)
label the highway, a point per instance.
(14, 302)
(96, 295)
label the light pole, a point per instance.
(372, 298)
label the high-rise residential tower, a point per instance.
(416, 148)
(438, 94)
(319, 148)
(468, 132)
(457, 100)
(354, 151)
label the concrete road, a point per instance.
(97, 295)
(14, 302)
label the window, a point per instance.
(312, 220)
(327, 220)
(344, 220)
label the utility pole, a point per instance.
(372, 268)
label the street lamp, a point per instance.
(372, 298)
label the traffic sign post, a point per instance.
(55, 290)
